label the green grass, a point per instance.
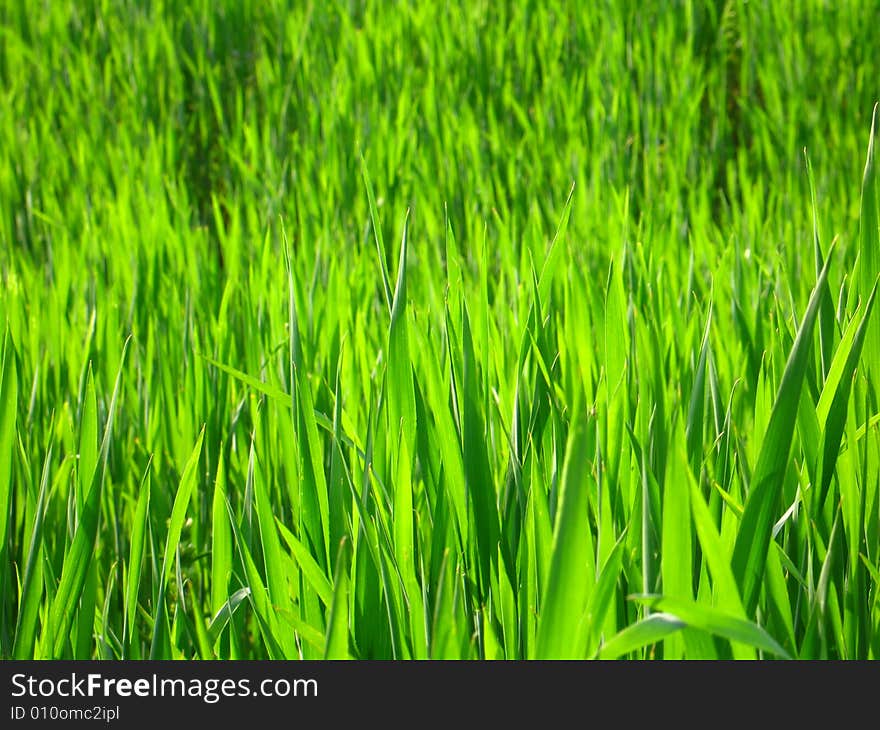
(411, 330)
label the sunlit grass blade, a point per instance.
(224, 614)
(337, 624)
(267, 389)
(275, 571)
(677, 528)
(695, 420)
(753, 537)
(78, 558)
(203, 640)
(826, 309)
(32, 582)
(188, 479)
(257, 595)
(136, 553)
(718, 622)
(869, 242)
(403, 426)
(316, 578)
(648, 631)
(556, 251)
(714, 553)
(88, 441)
(601, 598)
(221, 540)
(480, 487)
(591, 370)
(836, 412)
(572, 567)
(8, 413)
(377, 234)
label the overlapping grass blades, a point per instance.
(509, 332)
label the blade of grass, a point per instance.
(836, 418)
(185, 488)
(336, 645)
(32, 584)
(720, 623)
(225, 613)
(221, 539)
(643, 633)
(572, 567)
(377, 234)
(826, 309)
(79, 556)
(869, 243)
(8, 413)
(753, 537)
(136, 553)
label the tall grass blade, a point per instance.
(79, 556)
(753, 537)
(869, 244)
(572, 567)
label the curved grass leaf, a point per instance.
(646, 632)
(720, 623)
(225, 613)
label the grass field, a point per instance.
(423, 330)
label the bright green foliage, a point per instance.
(405, 330)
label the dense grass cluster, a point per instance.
(484, 330)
